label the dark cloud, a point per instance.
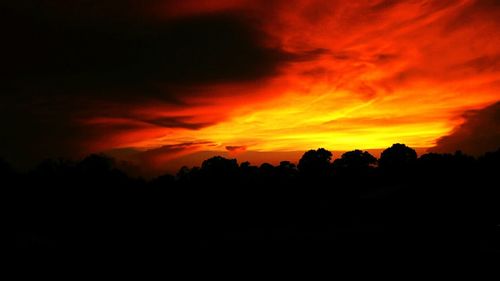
(116, 49)
(133, 154)
(236, 148)
(479, 133)
(344, 55)
(176, 122)
(29, 135)
(477, 10)
(384, 5)
(168, 149)
(485, 63)
(382, 58)
(67, 61)
(64, 56)
(158, 161)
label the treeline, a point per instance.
(446, 203)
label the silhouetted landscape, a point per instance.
(356, 205)
(221, 133)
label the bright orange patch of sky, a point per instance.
(383, 72)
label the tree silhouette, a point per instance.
(183, 172)
(454, 200)
(6, 173)
(355, 160)
(286, 171)
(219, 164)
(397, 157)
(5, 168)
(219, 168)
(96, 164)
(162, 181)
(245, 165)
(187, 175)
(315, 162)
(266, 170)
(99, 170)
(490, 160)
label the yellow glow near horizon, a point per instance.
(366, 77)
(299, 122)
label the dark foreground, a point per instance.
(434, 206)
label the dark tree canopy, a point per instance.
(397, 156)
(286, 165)
(219, 167)
(437, 202)
(245, 165)
(491, 159)
(355, 160)
(5, 168)
(219, 162)
(96, 163)
(266, 168)
(315, 162)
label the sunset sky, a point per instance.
(169, 83)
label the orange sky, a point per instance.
(377, 74)
(166, 82)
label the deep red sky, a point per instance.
(163, 82)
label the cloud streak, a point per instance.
(271, 76)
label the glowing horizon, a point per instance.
(370, 83)
(171, 78)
